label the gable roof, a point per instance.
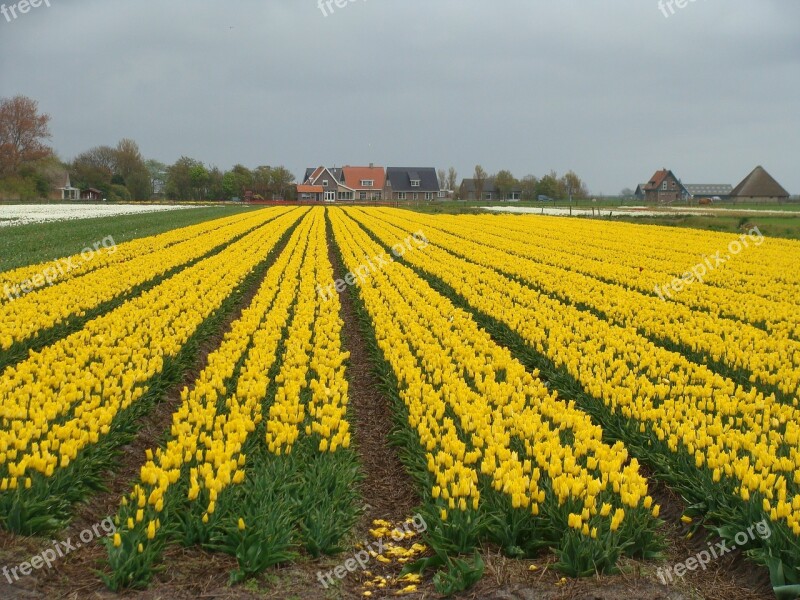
(759, 184)
(658, 178)
(353, 176)
(313, 175)
(399, 178)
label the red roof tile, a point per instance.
(310, 189)
(353, 176)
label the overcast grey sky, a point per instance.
(612, 89)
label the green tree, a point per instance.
(215, 189)
(549, 186)
(179, 184)
(505, 183)
(282, 182)
(198, 176)
(158, 175)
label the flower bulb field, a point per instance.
(350, 402)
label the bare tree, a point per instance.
(452, 179)
(573, 185)
(442, 179)
(22, 131)
(480, 181)
(528, 185)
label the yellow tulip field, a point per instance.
(544, 377)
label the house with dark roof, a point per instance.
(468, 191)
(759, 186)
(664, 188)
(411, 183)
(323, 184)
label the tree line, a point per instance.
(30, 169)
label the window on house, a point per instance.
(415, 182)
(367, 182)
(363, 195)
(429, 195)
(325, 182)
(664, 186)
(401, 195)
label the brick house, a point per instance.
(366, 183)
(664, 188)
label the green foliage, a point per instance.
(328, 501)
(580, 556)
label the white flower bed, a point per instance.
(22, 214)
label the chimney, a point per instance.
(371, 165)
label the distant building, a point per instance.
(490, 192)
(411, 183)
(68, 192)
(709, 190)
(664, 188)
(323, 185)
(759, 187)
(366, 183)
(640, 193)
(312, 193)
(369, 184)
(91, 194)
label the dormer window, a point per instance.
(415, 182)
(367, 183)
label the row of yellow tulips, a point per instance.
(66, 397)
(51, 305)
(75, 265)
(763, 266)
(770, 360)
(228, 403)
(201, 435)
(467, 398)
(624, 260)
(738, 434)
